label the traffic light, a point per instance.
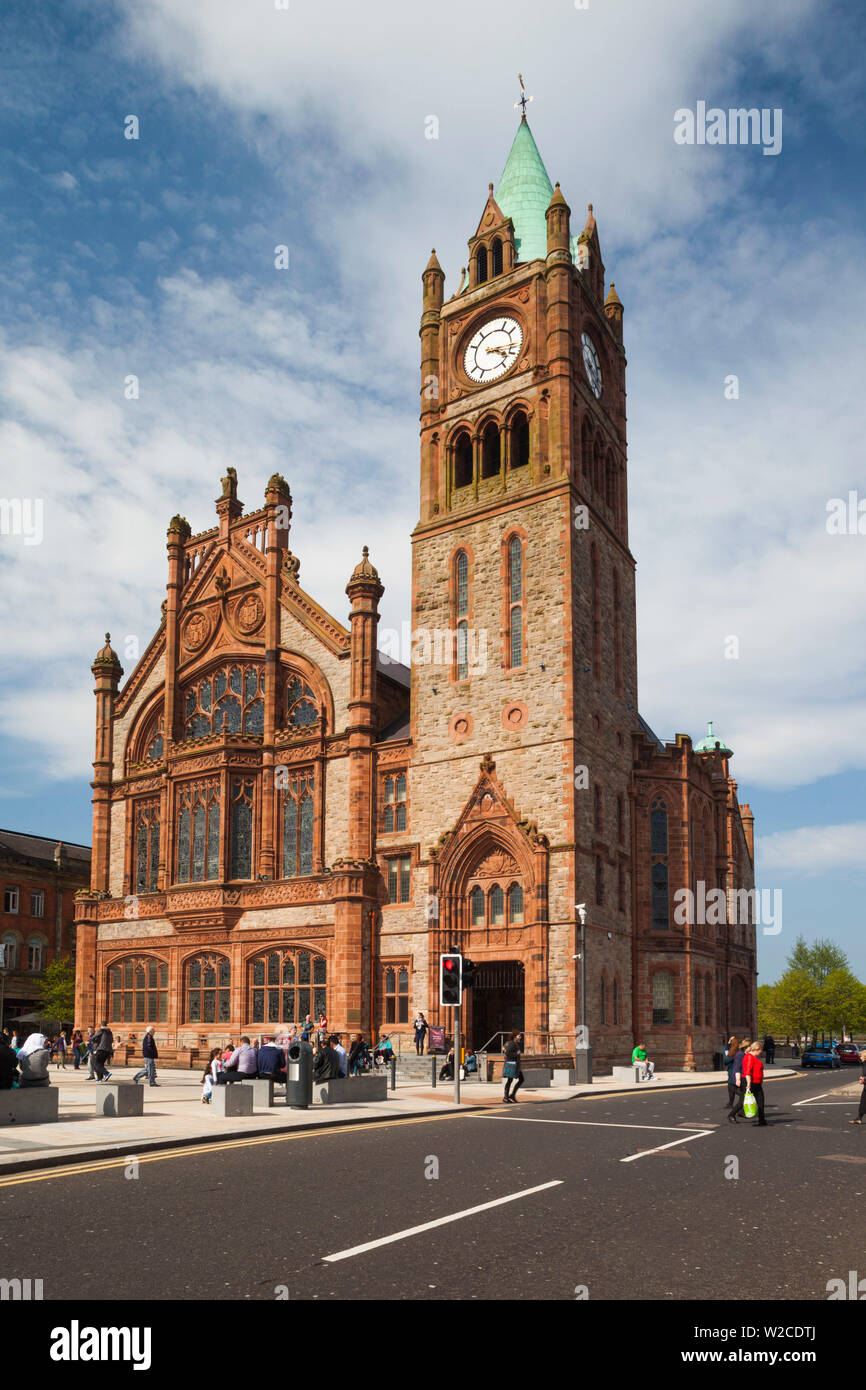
(468, 972)
(450, 980)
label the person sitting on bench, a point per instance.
(272, 1061)
(326, 1063)
(33, 1061)
(243, 1060)
(8, 1064)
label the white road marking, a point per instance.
(686, 1139)
(809, 1099)
(590, 1124)
(442, 1221)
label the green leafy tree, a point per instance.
(797, 1001)
(770, 1019)
(843, 1002)
(57, 991)
(818, 960)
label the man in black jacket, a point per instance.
(149, 1052)
(326, 1064)
(103, 1046)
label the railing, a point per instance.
(534, 1044)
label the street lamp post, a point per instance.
(582, 1049)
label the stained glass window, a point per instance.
(658, 828)
(227, 701)
(208, 990)
(660, 893)
(497, 906)
(138, 991)
(515, 601)
(198, 839)
(389, 805)
(462, 585)
(146, 823)
(155, 748)
(476, 907)
(515, 903)
(663, 997)
(298, 821)
(302, 708)
(242, 827)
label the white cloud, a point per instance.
(813, 850)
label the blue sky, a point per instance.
(306, 127)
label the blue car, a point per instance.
(821, 1057)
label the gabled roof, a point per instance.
(39, 848)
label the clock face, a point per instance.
(493, 349)
(591, 364)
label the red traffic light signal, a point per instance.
(450, 980)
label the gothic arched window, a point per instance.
(198, 830)
(241, 827)
(284, 986)
(663, 997)
(461, 611)
(497, 906)
(297, 816)
(481, 265)
(515, 904)
(229, 700)
(515, 602)
(490, 451)
(496, 256)
(146, 846)
(462, 456)
(659, 870)
(476, 907)
(301, 706)
(208, 981)
(519, 428)
(138, 990)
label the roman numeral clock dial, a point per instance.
(493, 349)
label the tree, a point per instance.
(818, 960)
(843, 1002)
(57, 991)
(797, 1000)
(770, 1019)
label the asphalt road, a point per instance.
(644, 1205)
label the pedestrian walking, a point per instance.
(103, 1045)
(730, 1058)
(770, 1049)
(420, 1025)
(511, 1068)
(210, 1074)
(76, 1048)
(739, 1080)
(91, 1034)
(862, 1110)
(149, 1052)
(61, 1050)
(753, 1070)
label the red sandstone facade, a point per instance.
(281, 823)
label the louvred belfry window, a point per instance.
(146, 846)
(198, 830)
(297, 817)
(229, 700)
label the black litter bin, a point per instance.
(299, 1076)
(719, 1061)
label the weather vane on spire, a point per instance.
(523, 97)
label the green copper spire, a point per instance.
(712, 742)
(523, 195)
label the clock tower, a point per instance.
(524, 684)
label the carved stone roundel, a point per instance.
(196, 631)
(249, 613)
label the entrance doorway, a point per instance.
(498, 996)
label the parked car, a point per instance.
(820, 1056)
(848, 1054)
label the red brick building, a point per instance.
(284, 821)
(38, 882)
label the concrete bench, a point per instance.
(347, 1090)
(626, 1076)
(565, 1076)
(537, 1078)
(119, 1098)
(232, 1100)
(32, 1105)
(262, 1088)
